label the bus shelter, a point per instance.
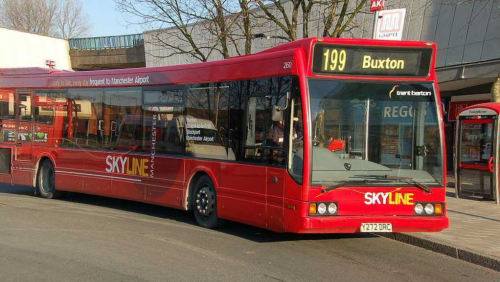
(477, 151)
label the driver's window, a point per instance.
(265, 122)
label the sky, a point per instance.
(106, 20)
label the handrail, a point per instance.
(106, 42)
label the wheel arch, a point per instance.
(41, 159)
(196, 174)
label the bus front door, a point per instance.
(475, 157)
(22, 163)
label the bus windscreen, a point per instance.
(382, 131)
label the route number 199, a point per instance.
(334, 59)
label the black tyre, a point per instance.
(45, 184)
(205, 203)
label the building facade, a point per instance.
(22, 49)
(467, 33)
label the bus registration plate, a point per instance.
(376, 227)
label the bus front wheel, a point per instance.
(46, 181)
(205, 203)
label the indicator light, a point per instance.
(438, 208)
(312, 208)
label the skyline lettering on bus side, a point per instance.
(127, 165)
(394, 198)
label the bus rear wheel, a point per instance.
(205, 203)
(46, 181)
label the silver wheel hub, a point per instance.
(205, 201)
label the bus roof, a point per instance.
(270, 62)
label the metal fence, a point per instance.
(106, 42)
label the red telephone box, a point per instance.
(477, 151)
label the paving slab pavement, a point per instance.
(473, 235)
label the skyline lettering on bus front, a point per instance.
(394, 198)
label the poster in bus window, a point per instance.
(9, 135)
(24, 136)
(41, 137)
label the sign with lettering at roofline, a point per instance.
(377, 5)
(389, 24)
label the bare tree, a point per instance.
(35, 16)
(204, 28)
(198, 28)
(62, 18)
(337, 15)
(70, 20)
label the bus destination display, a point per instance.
(376, 61)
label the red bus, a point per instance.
(318, 135)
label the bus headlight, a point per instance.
(419, 209)
(429, 209)
(321, 208)
(332, 208)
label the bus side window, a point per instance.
(7, 105)
(123, 127)
(85, 114)
(206, 117)
(164, 115)
(25, 107)
(256, 125)
(44, 109)
(7, 113)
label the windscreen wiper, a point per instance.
(404, 179)
(409, 180)
(378, 179)
(349, 183)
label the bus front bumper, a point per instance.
(352, 224)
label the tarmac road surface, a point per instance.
(88, 238)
